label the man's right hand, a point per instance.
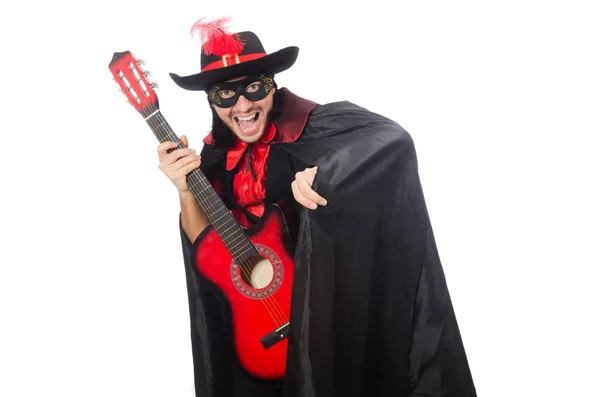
(177, 164)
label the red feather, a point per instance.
(216, 39)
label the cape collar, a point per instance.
(290, 124)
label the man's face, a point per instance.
(246, 118)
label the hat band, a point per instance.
(232, 59)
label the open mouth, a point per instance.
(248, 122)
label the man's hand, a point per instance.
(177, 164)
(302, 189)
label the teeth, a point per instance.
(246, 118)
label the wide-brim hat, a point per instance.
(224, 61)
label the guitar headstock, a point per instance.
(132, 79)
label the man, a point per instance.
(370, 311)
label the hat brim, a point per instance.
(276, 62)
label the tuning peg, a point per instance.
(140, 62)
(146, 73)
(154, 85)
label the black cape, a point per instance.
(371, 313)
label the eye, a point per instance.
(225, 94)
(253, 87)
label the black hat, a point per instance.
(225, 56)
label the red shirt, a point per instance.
(247, 192)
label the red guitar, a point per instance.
(253, 267)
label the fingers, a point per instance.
(164, 147)
(300, 198)
(185, 163)
(172, 168)
(305, 188)
(303, 192)
(167, 157)
(178, 154)
(176, 163)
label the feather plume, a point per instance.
(215, 38)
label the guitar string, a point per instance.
(274, 309)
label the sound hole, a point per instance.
(256, 271)
(252, 280)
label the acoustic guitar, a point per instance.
(253, 267)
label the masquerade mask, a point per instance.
(254, 88)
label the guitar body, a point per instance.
(256, 312)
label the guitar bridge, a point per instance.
(276, 336)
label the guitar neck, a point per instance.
(225, 224)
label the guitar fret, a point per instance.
(240, 257)
(233, 225)
(199, 185)
(229, 237)
(196, 184)
(236, 253)
(158, 126)
(227, 212)
(212, 214)
(227, 220)
(237, 241)
(212, 194)
(165, 139)
(215, 202)
(203, 191)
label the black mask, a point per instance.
(254, 88)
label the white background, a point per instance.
(501, 98)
